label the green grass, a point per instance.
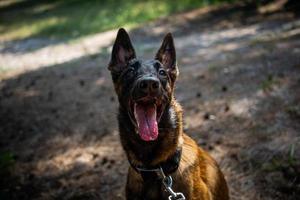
(6, 161)
(76, 18)
(269, 83)
(294, 111)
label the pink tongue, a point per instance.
(145, 116)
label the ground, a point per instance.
(239, 85)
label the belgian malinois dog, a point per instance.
(165, 163)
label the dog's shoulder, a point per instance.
(195, 161)
(189, 152)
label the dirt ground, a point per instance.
(239, 86)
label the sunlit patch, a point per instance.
(27, 93)
(57, 52)
(189, 156)
(272, 7)
(231, 46)
(73, 154)
(172, 117)
(44, 7)
(243, 106)
(5, 3)
(100, 81)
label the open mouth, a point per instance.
(147, 114)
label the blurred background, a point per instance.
(239, 85)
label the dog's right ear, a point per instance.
(122, 52)
(167, 56)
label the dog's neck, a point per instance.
(152, 153)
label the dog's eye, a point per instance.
(162, 72)
(130, 71)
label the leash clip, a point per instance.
(168, 182)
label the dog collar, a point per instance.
(169, 166)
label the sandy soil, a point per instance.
(239, 86)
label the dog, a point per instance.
(165, 163)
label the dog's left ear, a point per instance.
(122, 52)
(167, 56)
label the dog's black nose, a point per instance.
(149, 85)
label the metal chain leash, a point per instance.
(168, 182)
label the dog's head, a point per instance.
(144, 88)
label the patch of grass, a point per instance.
(3, 70)
(289, 161)
(213, 68)
(294, 111)
(76, 18)
(292, 158)
(268, 83)
(105, 51)
(6, 161)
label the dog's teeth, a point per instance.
(151, 138)
(135, 115)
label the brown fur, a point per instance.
(198, 176)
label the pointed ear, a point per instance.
(122, 52)
(167, 56)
